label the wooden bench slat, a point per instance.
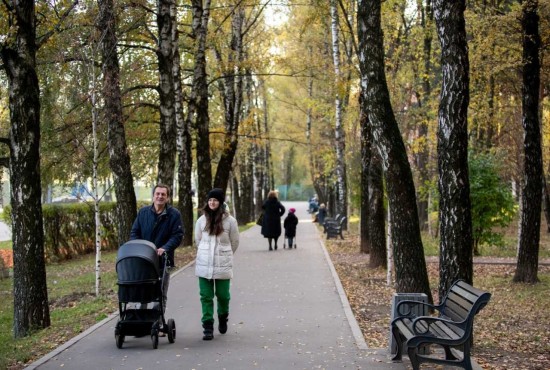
(456, 311)
(451, 332)
(466, 294)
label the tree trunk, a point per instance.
(546, 200)
(231, 87)
(339, 136)
(531, 189)
(243, 177)
(376, 224)
(410, 265)
(455, 227)
(165, 55)
(261, 165)
(198, 100)
(30, 293)
(422, 156)
(185, 156)
(268, 177)
(366, 158)
(119, 159)
(373, 227)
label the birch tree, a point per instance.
(373, 233)
(183, 143)
(119, 158)
(410, 266)
(18, 52)
(342, 202)
(197, 108)
(531, 189)
(231, 90)
(166, 22)
(455, 229)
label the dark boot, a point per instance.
(222, 323)
(208, 331)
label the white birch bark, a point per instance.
(95, 162)
(341, 204)
(389, 251)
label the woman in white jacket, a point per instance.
(217, 238)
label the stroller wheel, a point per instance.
(155, 340)
(171, 330)
(119, 338)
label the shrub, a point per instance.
(69, 229)
(492, 200)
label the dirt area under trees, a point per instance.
(506, 336)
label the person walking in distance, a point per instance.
(273, 211)
(217, 238)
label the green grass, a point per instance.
(73, 308)
(508, 249)
(5, 244)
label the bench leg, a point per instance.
(399, 344)
(467, 359)
(413, 351)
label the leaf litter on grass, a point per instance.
(512, 332)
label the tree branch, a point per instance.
(42, 40)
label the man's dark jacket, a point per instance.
(164, 230)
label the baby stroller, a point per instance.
(141, 293)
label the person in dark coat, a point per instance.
(160, 224)
(273, 211)
(290, 223)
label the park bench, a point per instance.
(451, 329)
(331, 220)
(334, 228)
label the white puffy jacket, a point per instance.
(215, 253)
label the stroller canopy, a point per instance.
(137, 262)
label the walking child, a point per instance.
(290, 223)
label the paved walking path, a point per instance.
(288, 311)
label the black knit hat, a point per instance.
(216, 193)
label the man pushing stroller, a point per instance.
(161, 224)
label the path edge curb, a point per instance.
(352, 321)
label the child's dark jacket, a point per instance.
(290, 223)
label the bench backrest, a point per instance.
(463, 301)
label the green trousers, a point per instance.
(210, 288)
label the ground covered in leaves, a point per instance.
(512, 332)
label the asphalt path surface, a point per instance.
(287, 311)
